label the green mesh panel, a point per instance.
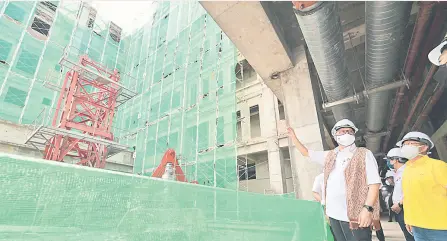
(27, 62)
(180, 65)
(15, 96)
(15, 11)
(45, 200)
(46, 101)
(187, 96)
(5, 49)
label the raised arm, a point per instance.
(301, 148)
(315, 156)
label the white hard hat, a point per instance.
(342, 124)
(389, 174)
(395, 152)
(434, 55)
(416, 136)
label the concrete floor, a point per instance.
(391, 230)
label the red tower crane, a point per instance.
(82, 122)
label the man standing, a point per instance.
(396, 162)
(351, 182)
(424, 185)
(389, 181)
(318, 193)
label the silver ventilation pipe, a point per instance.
(322, 31)
(385, 27)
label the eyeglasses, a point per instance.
(342, 132)
(394, 158)
(412, 143)
(416, 142)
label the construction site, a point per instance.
(177, 129)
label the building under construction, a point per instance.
(176, 82)
(202, 93)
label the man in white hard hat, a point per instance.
(351, 181)
(424, 185)
(396, 162)
(438, 56)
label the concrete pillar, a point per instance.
(301, 114)
(440, 140)
(245, 122)
(269, 131)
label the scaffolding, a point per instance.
(187, 102)
(82, 122)
(180, 65)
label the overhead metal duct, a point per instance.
(322, 31)
(385, 27)
(422, 22)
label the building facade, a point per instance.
(195, 94)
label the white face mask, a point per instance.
(409, 151)
(345, 140)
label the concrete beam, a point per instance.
(354, 36)
(248, 26)
(439, 138)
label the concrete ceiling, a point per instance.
(268, 33)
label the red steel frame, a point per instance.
(87, 103)
(171, 158)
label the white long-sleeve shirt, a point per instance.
(318, 186)
(336, 206)
(398, 193)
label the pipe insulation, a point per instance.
(385, 26)
(322, 31)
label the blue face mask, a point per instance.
(388, 163)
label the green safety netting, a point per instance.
(46, 200)
(180, 64)
(182, 68)
(187, 99)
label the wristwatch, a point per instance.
(369, 208)
(400, 205)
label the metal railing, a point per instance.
(37, 122)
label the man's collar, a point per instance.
(400, 168)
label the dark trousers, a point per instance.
(342, 232)
(390, 212)
(400, 219)
(379, 234)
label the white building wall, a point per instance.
(253, 139)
